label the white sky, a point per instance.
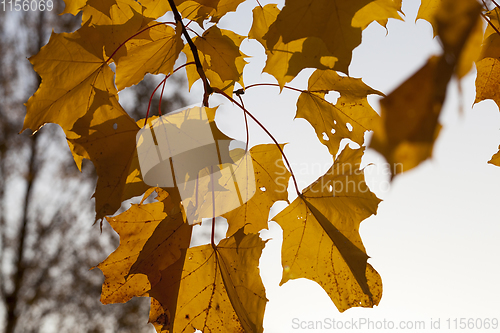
(434, 240)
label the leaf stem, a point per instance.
(216, 90)
(194, 50)
(246, 124)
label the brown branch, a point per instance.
(194, 50)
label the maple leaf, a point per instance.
(271, 179)
(151, 239)
(495, 159)
(328, 20)
(221, 58)
(331, 122)
(213, 289)
(72, 70)
(285, 61)
(107, 137)
(488, 63)
(410, 121)
(427, 11)
(153, 51)
(380, 11)
(321, 239)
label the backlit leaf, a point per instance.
(321, 239)
(427, 10)
(380, 11)
(153, 51)
(349, 118)
(285, 61)
(221, 58)
(328, 20)
(152, 237)
(271, 179)
(212, 289)
(488, 63)
(495, 159)
(72, 71)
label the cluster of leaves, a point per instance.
(217, 287)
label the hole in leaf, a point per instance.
(115, 126)
(263, 189)
(325, 137)
(349, 127)
(333, 131)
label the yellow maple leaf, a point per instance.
(495, 159)
(285, 61)
(221, 58)
(115, 21)
(153, 51)
(271, 178)
(72, 70)
(349, 118)
(380, 11)
(107, 137)
(328, 20)
(212, 289)
(151, 239)
(488, 63)
(427, 11)
(321, 239)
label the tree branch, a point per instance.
(194, 49)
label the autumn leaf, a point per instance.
(427, 11)
(152, 237)
(409, 120)
(271, 179)
(213, 289)
(72, 71)
(285, 61)
(153, 51)
(488, 63)
(495, 159)
(221, 58)
(380, 11)
(349, 118)
(107, 137)
(115, 21)
(328, 20)
(321, 239)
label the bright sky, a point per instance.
(434, 240)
